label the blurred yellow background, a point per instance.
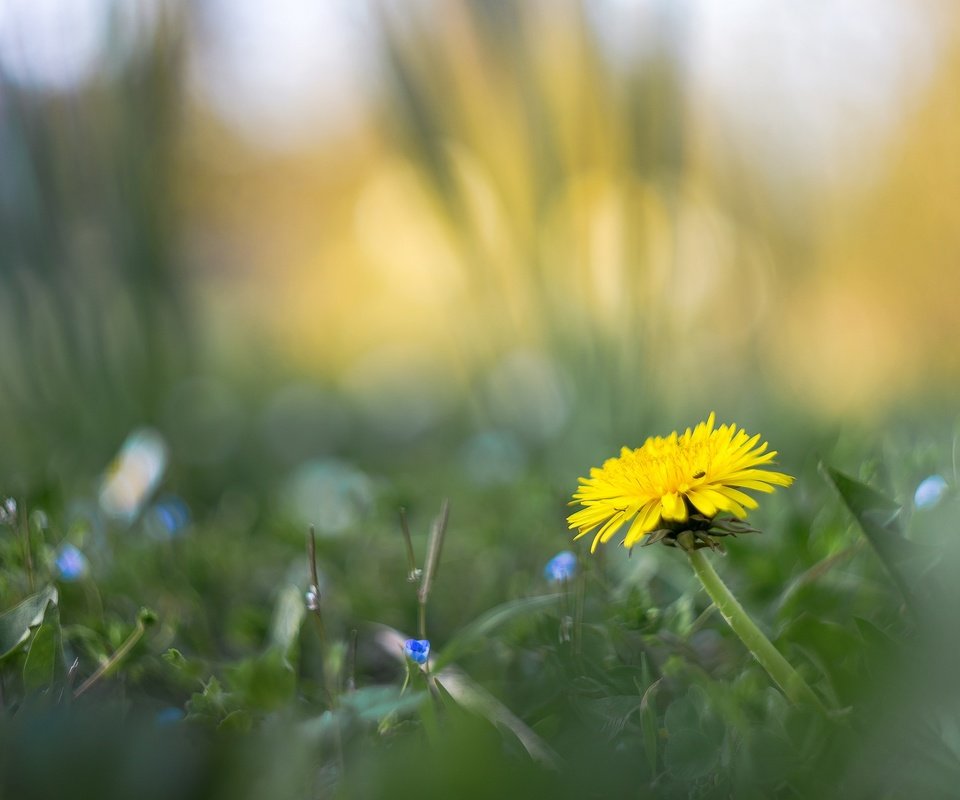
(512, 186)
(695, 199)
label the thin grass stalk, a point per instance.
(315, 587)
(432, 564)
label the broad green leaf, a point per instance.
(489, 621)
(15, 623)
(40, 666)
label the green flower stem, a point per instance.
(786, 677)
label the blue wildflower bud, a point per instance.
(417, 650)
(930, 492)
(71, 564)
(562, 567)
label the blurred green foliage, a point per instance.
(620, 682)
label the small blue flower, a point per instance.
(172, 515)
(930, 492)
(562, 567)
(71, 563)
(417, 650)
(168, 716)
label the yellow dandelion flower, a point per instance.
(675, 483)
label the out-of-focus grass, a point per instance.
(639, 652)
(93, 318)
(529, 261)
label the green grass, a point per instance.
(625, 681)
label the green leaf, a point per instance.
(614, 712)
(288, 614)
(472, 633)
(682, 714)
(210, 704)
(238, 721)
(864, 500)
(693, 712)
(373, 703)
(263, 683)
(766, 756)
(175, 658)
(878, 518)
(874, 637)
(16, 622)
(688, 754)
(87, 640)
(649, 726)
(40, 666)
(833, 642)
(187, 670)
(471, 696)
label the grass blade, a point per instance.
(878, 517)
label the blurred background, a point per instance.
(324, 226)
